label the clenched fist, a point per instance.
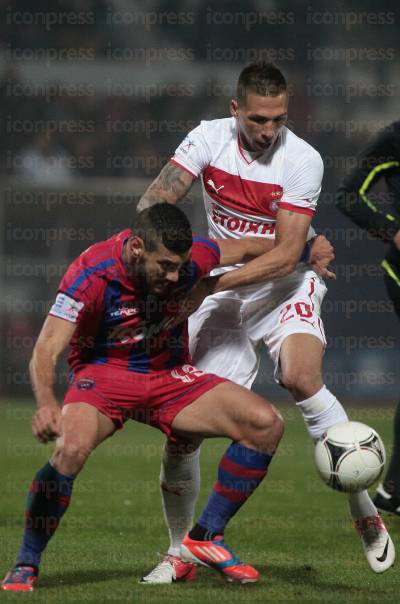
(46, 423)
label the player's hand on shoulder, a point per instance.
(321, 255)
(46, 423)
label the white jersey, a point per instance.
(243, 192)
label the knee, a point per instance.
(267, 429)
(276, 426)
(301, 382)
(70, 456)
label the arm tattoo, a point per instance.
(171, 185)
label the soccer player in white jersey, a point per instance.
(258, 179)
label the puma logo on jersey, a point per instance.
(212, 184)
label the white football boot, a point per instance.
(169, 570)
(377, 544)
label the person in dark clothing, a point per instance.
(355, 198)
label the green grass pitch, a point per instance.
(294, 529)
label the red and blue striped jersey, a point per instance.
(116, 324)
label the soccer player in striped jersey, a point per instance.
(119, 308)
(258, 179)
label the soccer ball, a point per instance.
(350, 457)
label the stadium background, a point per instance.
(95, 96)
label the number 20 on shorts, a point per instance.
(301, 309)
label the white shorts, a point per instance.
(228, 330)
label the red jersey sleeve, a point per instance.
(80, 291)
(205, 254)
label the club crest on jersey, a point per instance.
(187, 373)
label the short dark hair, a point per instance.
(163, 223)
(261, 78)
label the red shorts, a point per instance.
(152, 398)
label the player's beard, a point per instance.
(159, 288)
(256, 146)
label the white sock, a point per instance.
(180, 486)
(361, 505)
(320, 412)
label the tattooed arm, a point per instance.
(171, 185)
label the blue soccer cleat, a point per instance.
(20, 578)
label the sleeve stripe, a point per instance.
(213, 244)
(284, 205)
(386, 266)
(173, 161)
(362, 191)
(390, 271)
(85, 274)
